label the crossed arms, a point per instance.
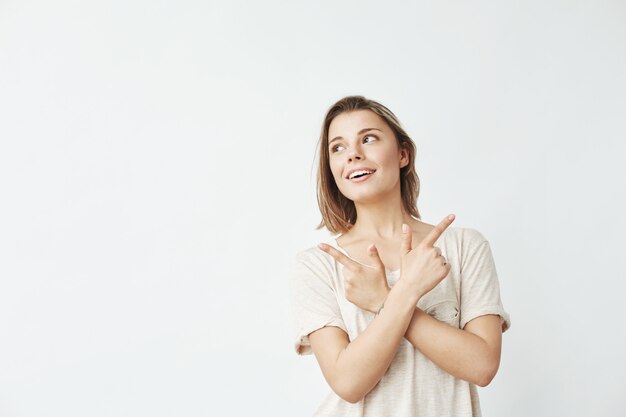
(353, 369)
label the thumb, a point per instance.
(373, 253)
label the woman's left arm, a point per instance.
(471, 354)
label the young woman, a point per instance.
(404, 317)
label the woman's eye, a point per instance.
(369, 136)
(333, 149)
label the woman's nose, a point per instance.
(354, 154)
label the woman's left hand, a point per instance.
(365, 285)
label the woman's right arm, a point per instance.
(353, 369)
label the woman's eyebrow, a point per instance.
(360, 132)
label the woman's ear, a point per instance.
(404, 158)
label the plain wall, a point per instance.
(157, 175)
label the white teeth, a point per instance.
(360, 172)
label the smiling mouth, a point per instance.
(361, 177)
(371, 171)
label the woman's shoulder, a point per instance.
(471, 235)
(465, 240)
(312, 266)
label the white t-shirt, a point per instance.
(413, 385)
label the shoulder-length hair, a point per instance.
(339, 212)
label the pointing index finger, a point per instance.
(434, 234)
(339, 256)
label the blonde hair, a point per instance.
(338, 212)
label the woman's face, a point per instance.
(361, 139)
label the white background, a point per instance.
(157, 174)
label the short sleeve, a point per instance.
(480, 289)
(313, 301)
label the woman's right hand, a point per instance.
(423, 267)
